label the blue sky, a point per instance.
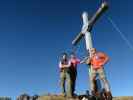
(33, 34)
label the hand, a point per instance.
(88, 61)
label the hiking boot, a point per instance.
(109, 95)
(74, 95)
(93, 93)
(103, 96)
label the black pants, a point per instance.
(73, 73)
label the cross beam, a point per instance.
(92, 21)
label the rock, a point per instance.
(27, 97)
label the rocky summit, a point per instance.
(58, 97)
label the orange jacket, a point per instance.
(98, 60)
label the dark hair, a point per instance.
(61, 57)
(63, 54)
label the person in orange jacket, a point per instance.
(97, 62)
